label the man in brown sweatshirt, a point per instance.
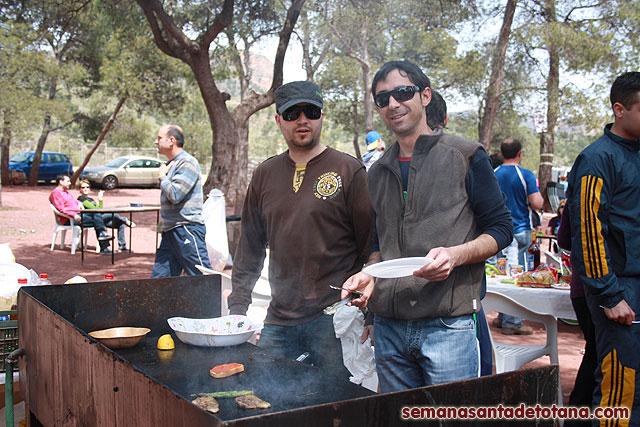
(310, 206)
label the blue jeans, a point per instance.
(181, 248)
(116, 221)
(422, 352)
(95, 220)
(524, 239)
(316, 337)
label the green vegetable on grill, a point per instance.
(233, 393)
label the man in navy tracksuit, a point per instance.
(604, 203)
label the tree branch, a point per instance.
(75, 119)
(176, 44)
(285, 36)
(221, 21)
(579, 7)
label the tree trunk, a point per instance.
(103, 133)
(223, 128)
(5, 144)
(241, 183)
(46, 129)
(35, 166)
(225, 145)
(366, 79)
(355, 119)
(492, 95)
(553, 89)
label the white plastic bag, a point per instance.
(6, 254)
(348, 323)
(215, 220)
(9, 286)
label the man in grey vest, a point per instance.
(433, 195)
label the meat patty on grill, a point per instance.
(207, 403)
(251, 401)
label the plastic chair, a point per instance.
(553, 260)
(63, 228)
(510, 357)
(553, 195)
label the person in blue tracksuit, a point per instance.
(604, 195)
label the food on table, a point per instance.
(165, 342)
(515, 270)
(231, 393)
(221, 371)
(251, 401)
(542, 278)
(207, 403)
(491, 269)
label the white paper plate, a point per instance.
(399, 267)
(561, 286)
(215, 332)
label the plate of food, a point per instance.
(399, 267)
(214, 332)
(564, 286)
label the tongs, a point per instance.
(356, 294)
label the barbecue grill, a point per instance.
(69, 378)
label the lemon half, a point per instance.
(165, 342)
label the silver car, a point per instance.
(124, 171)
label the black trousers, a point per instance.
(582, 394)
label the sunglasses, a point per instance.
(400, 94)
(311, 112)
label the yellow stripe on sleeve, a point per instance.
(595, 260)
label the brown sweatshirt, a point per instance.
(317, 236)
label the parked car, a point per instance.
(52, 164)
(124, 171)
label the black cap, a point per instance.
(297, 93)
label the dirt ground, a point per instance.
(27, 224)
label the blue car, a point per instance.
(52, 164)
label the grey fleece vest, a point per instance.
(436, 213)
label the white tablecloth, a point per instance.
(541, 300)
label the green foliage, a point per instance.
(570, 143)
(21, 69)
(100, 51)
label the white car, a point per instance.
(127, 171)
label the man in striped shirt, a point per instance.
(183, 230)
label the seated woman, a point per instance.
(554, 223)
(110, 220)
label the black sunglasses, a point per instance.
(311, 112)
(400, 94)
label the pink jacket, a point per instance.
(64, 202)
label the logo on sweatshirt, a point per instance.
(327, 186)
